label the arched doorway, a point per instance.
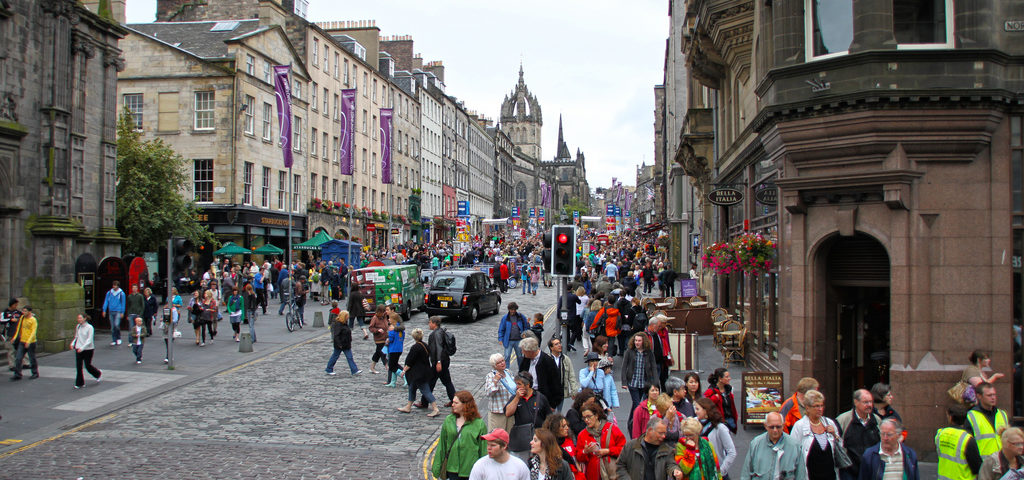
(857, 316)
(341, 234)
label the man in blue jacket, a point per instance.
(510, 332)
(889, 454)
(113, 308)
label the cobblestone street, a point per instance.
(278, 416)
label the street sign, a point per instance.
(463, 208)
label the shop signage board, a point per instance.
(688, 287)
(725, 196)
(769, 195)
(762, 393)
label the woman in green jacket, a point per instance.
(460, 445)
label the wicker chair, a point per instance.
(736, 351)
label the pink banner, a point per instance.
(348, 128)
(385, 145)
(283, 94)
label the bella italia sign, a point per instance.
(725, 196)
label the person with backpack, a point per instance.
(440, 347)
(607, 323)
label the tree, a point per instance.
(576, 204)
(150, 180)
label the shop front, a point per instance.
(249, 228)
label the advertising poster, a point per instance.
(762, 393)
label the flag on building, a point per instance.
(283, 95)
(385, 145)
(348, 128)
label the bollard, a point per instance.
(245, 343)
(318, 320)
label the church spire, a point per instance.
(563, 149)
(521, 81)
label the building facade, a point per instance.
(481, 172)
(846, 130)
(58, 156)
(504, 190)
(223, 120)
(522, 118)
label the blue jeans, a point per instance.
(533, 286)
(251, 318)
(115, 325)
(423, 387)
(137, 350)
(334, 359)
(526, 288)
(513, 345)
(284, 304)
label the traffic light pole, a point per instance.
(170, 300)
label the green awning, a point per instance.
(314, 243)
(231, 248)
(268, 249)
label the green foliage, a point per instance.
(151, 205)
(576, 204)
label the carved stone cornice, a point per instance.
(112, 57)
(82, 43)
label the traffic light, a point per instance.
(563, 251)
(182, 256)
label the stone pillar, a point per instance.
(872, 26)
(788, 20)
(56, 307)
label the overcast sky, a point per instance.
(595, 62)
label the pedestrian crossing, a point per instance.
(129, 383)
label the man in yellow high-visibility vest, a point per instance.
(985, 419)
(958, 451)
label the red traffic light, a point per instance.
(563, 238)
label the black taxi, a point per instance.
(464, 293)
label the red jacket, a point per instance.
(590, 462)
(504, 271)
(569, 446)
(715, 395)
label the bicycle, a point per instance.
(291, 318)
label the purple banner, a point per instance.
(348, 128)
(385, 145)
(283, 94)
(629, 200)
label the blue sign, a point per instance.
(618, 211)
(463, 208)
(576, 214)
(542, 213)
(515, 212)
(533, 212)
(610, 211)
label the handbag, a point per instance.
(520, 436)
(839, 455)
(956, 392)
(608, 469)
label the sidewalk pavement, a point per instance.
(37, 409)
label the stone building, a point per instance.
(522, 118)
(504, 191)
(430, 91)
(568, 177)
(879, 143)
(58, 156)
(222, 118)
(481, 172)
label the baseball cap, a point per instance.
(497, 434)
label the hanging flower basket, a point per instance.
(754, 252)
(721, 258)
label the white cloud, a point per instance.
(595, 62)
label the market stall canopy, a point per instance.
(314, 243)
(268, 249)
(231, 248)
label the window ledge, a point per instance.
(205, 131)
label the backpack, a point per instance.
(597, 326)
(449, 343)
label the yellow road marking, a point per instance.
(428, 457)
(9, 441)
(55, 437)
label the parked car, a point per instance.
(398, 285)
(464, 293)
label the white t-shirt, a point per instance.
(488, 469)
